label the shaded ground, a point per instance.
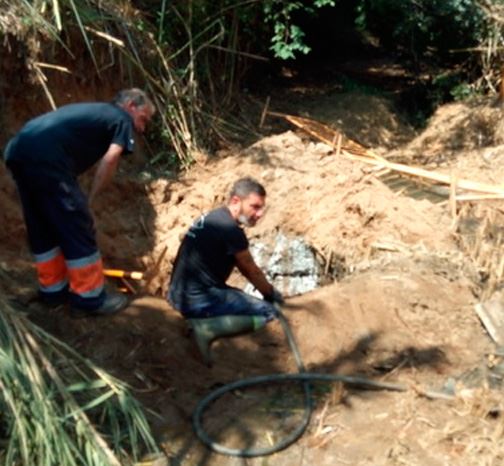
(402, 309)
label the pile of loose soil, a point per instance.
(367, 118)
(466, 137)
(339, 207)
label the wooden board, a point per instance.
(355, 151)
(491, 314)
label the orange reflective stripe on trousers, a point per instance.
(51, 270)
(86, 275)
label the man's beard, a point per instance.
(246, 221)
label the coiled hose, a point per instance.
(302, 376)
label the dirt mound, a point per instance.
(456, 129)
(367, 118)
(339, 207)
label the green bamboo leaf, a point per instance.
(88, 385)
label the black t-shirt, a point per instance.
(206, 256)
(69, 140)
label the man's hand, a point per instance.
(274, 297)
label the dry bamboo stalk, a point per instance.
(328, 263)
(479, 249)
(500, 269)
(63, 69)
(492, 282)
(379, 172)
(401, 191)
(453, 198)
(128, 286)
(420, 172)
(501, 88)
(105, 36)
(355, 151)
(350, 145)
(155, 269)
(478, 197)
(264, 112)
(43, 80)
(335, 137)
(338, 146)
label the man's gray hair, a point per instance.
(245, 186)
(138, 97)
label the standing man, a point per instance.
(212, 247)
(45, 158)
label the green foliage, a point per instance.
(451, 85)
(288, 38)
(463, 91)
(194, 55)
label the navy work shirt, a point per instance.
(67, 141)
(206, 256)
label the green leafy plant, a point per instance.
(288, 38)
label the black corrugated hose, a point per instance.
(302, 376)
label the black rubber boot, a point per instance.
(114, 302)
(206, 331)
(55, 299)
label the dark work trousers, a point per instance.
(216, 302)
(62, 238)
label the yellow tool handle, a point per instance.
(123, 274)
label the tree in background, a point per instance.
(462, 38)
(196, 56)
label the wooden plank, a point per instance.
(491, 314)
(355, 151)
(479, 197)
(329, 136)
(430, 175)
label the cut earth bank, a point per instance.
(401, 309)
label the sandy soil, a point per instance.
(401, 311)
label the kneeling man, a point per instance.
(212, 247)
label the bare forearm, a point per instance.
(101, 179)
(260, 282)
(253, 273)
(105, 171)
